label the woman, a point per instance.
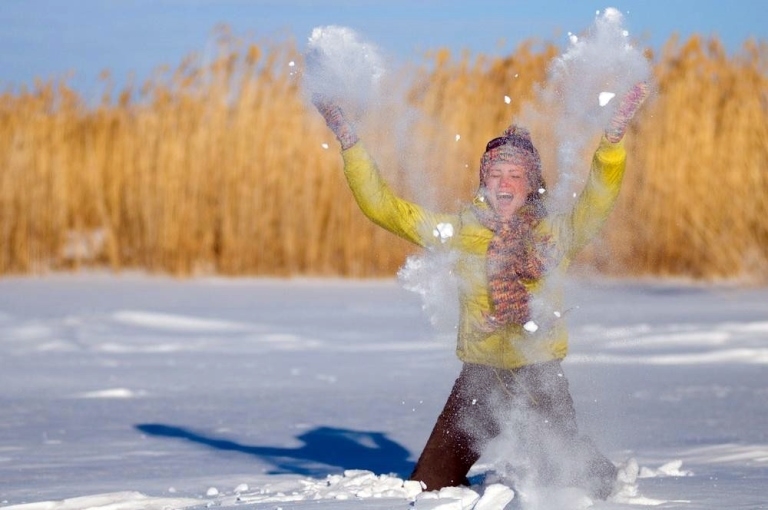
(510, 336)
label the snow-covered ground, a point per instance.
(146, 392)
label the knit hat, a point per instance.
(514, 145)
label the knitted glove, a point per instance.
(335, 120)
(630, 103)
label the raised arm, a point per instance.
(598, 196)
(607, 171)
(374, 196)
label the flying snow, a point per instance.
(342, 67)
(443, 231)
(605, 97)
(531, 327)
(430, 275)
(612, 14)
(600, 64)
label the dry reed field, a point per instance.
(219, 168)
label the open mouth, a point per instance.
(504, 197)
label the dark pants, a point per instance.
(533, 406)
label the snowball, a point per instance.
(495, 496)
(443, 231)
(242, 487)
(466, 497)
(605, 97)
(212, 491)
(412, 488)
(530, 326)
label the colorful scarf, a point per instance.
(514, 255)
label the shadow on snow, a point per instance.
(323, 448)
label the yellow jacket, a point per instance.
(511, 346)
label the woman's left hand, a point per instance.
(629, 105)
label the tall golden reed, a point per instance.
(219, 167)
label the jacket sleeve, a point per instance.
(598, 196)
(379, 203)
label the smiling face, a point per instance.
(506, 188)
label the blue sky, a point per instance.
(50, 38)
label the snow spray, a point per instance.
(582, 91)
(353, 73)
(342, 67)
(583, 88)
(431, 276)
